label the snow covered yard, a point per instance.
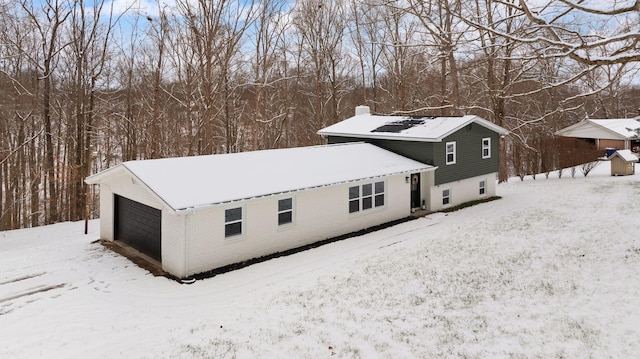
(552, 270)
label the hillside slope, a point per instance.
(550, 270)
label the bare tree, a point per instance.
(445, 28)
(203, 76)
(401, 55)
(579, 39)
(557, 28)
(154, 60)
(321, 26)
(215, 31)
(89, 36)
(368, 40)
(47, 20)
(123, 126)
(272, 106)
(20, 128)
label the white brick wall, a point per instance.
(194, 242)
(123, 184)
(173, 243)
(319, 214)
(106, 212)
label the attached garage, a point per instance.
(138, 225)
(196, 214)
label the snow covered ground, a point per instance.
(552, 270)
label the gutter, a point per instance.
(186, 244)
(189, 210)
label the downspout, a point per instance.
(186, 242)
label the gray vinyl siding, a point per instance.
(419, 151)
(340, 139)
(469, 161)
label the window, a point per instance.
(285, 211)
(451, 153)
(354, 199)
(483, 187)
(486, 147)
(446, 197)
(367, 196)
(379, 199)
(232, 222)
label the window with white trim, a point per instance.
(486, 147)
(446, 197)
(450, 148)
(379, 194)
(366, 196)
(285, 211)
(233, 222)
(354, 199)
(483, 187)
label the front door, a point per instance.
(415, 190)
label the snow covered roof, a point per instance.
(200, 181)
(626, 155)
(408, 128)
(613, 129)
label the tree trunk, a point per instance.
(49, 163)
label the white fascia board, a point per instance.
(473, 119)
(97, 177)
(100, 176)
(490, 125)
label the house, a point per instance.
(464, 150)
(621, 134)
(196, 214)
(623, 163)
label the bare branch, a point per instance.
(622, 10)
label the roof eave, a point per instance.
(381, 137)
(98, 177)
(471, 119)
(190, 209)
(616, 134)
(490, 125)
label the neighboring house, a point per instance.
(621, 134)
(464, 150)
(196, 214)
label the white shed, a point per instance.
(196, 214)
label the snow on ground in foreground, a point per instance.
(551, 270)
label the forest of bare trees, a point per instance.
(85, 85)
